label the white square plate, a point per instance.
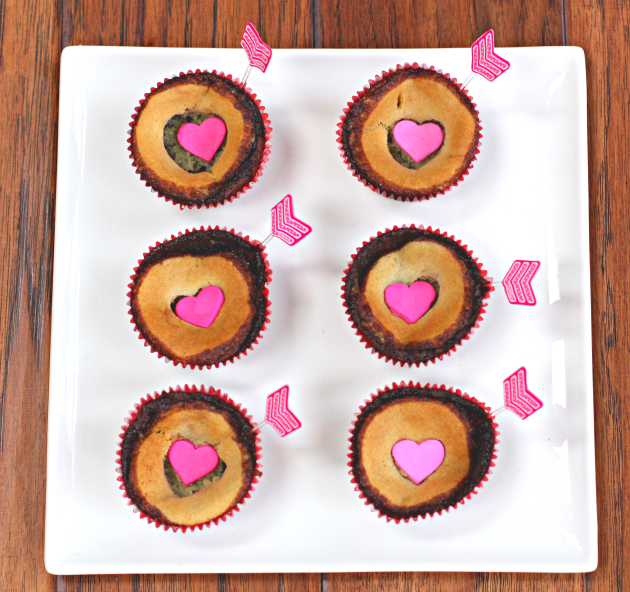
(525, 198)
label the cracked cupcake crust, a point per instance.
(420, 95)
(203, 419)
(462, 425)
(407, 255)
(182, 267)
(242, 153)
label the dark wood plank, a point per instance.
(602, 29)
(438, 23)
(29, 66)
(409, 582)
(192, 583)
(197, 23)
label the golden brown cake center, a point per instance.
(418, 260)
(419, 100)
(200, 427)
(185, 276)
(176, 100)
(417, 421)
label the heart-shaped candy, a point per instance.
(418, 141)
(201, 310)
(202, 140)
(191, 462)
(418, 461)
(410, 302)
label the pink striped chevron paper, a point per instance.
(278, 413)
(258, 52)
(518, 282)
(484, 60)
(285, 225)
(517, 398)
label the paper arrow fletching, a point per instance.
(517, 398)
(285, 225)
(484, 60)
(258, 52)
(278, 414)
(518, 282)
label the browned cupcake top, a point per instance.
(420, 414)
(202, 420)
(184, 266)
(405, 256)
(419, 95)
(199, 93)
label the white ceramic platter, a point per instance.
(525, 198)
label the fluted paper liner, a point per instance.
(368, 86)
(187, 389)
(463, 499)
(369, 345)
(263, 161)
(265, 292)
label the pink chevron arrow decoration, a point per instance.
(258, 52)
(278, 413)
(517, 398)
(484, 60)
(285, 225)
(518, 282)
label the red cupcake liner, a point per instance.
(132, 416)
(368, 86)
(410, 384)
(268, 273)
(266, 151)
(482, 311)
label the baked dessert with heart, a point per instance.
(411, 134)
(201, 299)
(199, 139)
(418, 450)
(414, 294)
(188, 457)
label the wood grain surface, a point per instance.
(32, 35)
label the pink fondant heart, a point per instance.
(192, 463)
(418, 461)
(202, 140)
(410, 302)
(418, 141)
(201, 310)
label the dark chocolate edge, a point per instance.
(152, 411)
(481, 442)
(213, 242)
(358, 113)
(243, 170)
(394, 240)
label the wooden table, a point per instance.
(32, 35)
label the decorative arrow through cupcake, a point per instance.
(191, 462)
(203, 308)
(419, 460)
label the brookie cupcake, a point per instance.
(188, 457)
(201, 298)
(414, 294)
(199, 139)
(411, 134)
(416, 451)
